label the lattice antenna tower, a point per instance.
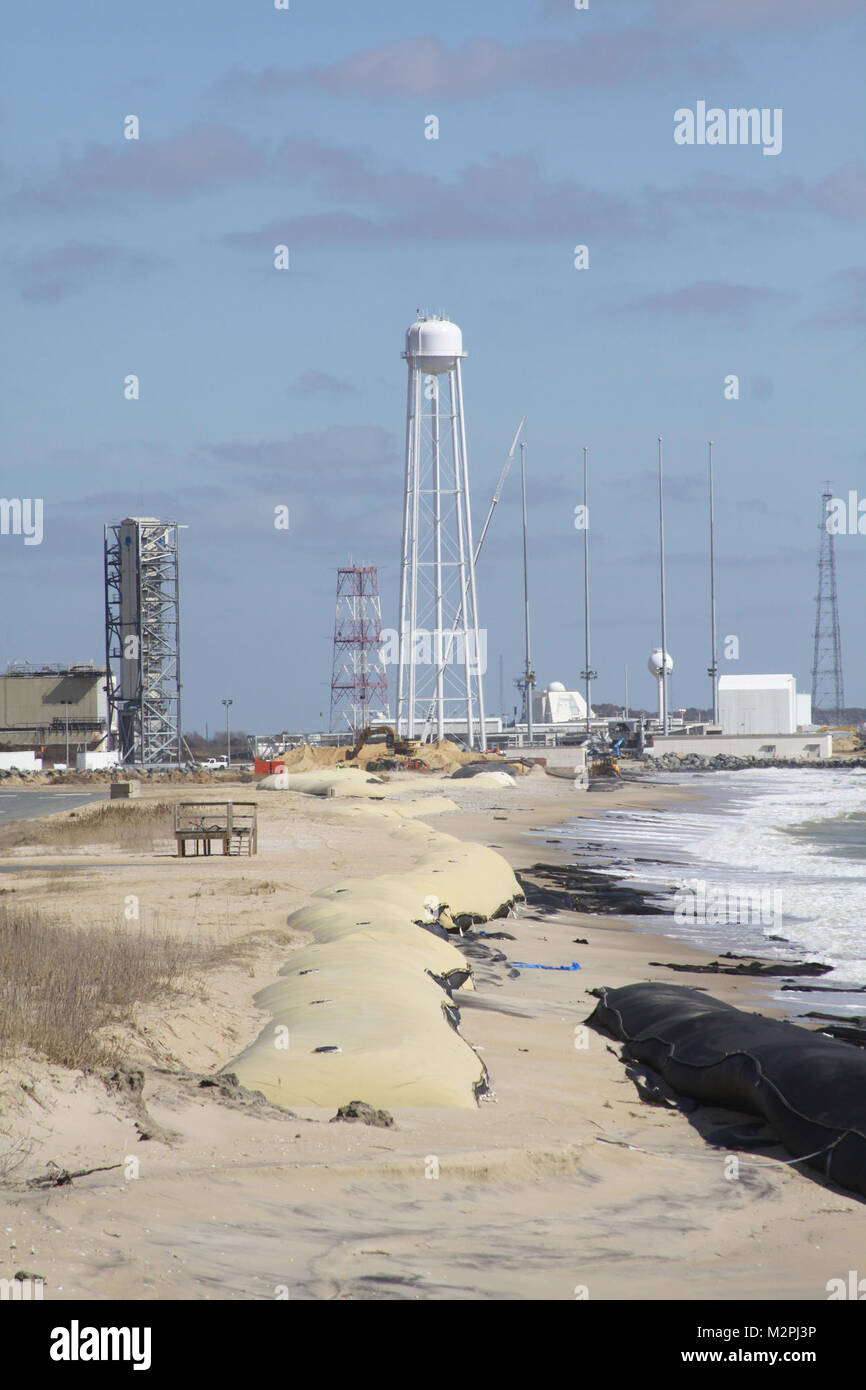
(359, 685)
(828, 692)
(142, 640)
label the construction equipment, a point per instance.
(402, 747)
(605, 761)
(605, 766)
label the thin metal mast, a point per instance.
(713, 669)
(587, 673)
(664, 676)
(529, 675)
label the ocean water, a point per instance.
(769, 853)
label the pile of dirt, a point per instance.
(309, 757)
(443, 756)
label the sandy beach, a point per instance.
(560, 1183)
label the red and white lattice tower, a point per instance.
(359, 685)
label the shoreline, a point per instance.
(635, 943)
(561, 1176)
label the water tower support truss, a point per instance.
(442, 650)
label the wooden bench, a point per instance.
(233, 824)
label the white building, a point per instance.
(556, 705)
(763, 704)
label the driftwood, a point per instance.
(62, 1177)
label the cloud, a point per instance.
(426, 67)
(511, 198)
(724, 14)
(842, 194)
(61, 271)
(319, 383)
(678, 487)
(195, 159)
(710, 297)
(754, 14)
(762, 388)
(500, 198)
(847, 296)
(839, 195)
(314, 461)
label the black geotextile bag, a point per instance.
(809, 1087)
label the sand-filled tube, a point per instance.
(355, 1018)
(473, 884)
(334, 782)
(810, 1088)
(367, 1010)
(386, 926)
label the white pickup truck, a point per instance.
(214, 764)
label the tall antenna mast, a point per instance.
(529, 675)
(664, 674)
(828, 693)
(713, 668)
(587, 673)
(359, 685)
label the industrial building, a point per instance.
(51, 707)
(556, 705)
(762, 704)
(760, 716)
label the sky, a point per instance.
(262, 388)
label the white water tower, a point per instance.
(441, 658)
(661, 667)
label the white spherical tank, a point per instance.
(655, 662)
(434, 345)
(556, 685)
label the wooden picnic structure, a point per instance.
(233, 824)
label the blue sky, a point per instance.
(261, 388)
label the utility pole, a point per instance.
(529, 675)
(587, 673)
(228, 704)
(664, 674)
(713, 669)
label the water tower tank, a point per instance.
(655, 662)
(434, 345)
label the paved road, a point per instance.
(21, 805)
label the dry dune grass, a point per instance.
(60, 985)
(119, 823)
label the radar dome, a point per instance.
(655, 662)
(556, 685)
